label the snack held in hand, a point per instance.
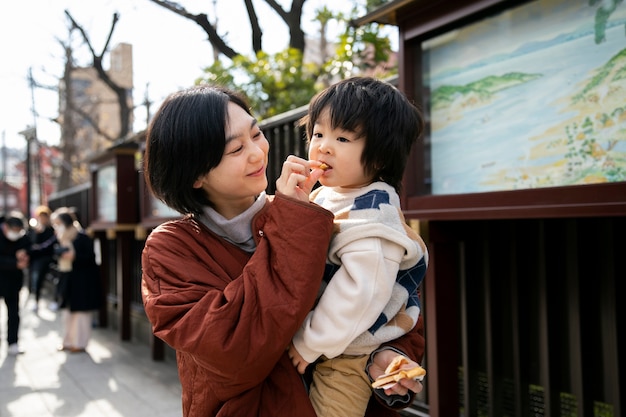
(323, 167)
(393, 373)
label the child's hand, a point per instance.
(297, 360)
(296, 179)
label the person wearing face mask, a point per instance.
(13, 261)
(79, 284)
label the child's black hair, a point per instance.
(378, 112)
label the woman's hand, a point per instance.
(380, 362)
(296, 178)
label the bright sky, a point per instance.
(169, 51)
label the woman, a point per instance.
(79, 284)
(228, 285)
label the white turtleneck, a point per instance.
(237, 230)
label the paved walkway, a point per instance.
(112, 379)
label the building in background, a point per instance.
(96, 115)
(10, 198)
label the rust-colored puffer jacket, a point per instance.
(230, 315)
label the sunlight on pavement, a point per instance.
(114, 378)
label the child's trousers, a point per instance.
(341, 387)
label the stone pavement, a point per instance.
(113, 378)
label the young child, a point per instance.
(360, 131)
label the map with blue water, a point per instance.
(534, 97)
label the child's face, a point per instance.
(341, 150)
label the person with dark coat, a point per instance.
(79, 284)
(40, 253)
(13, 260)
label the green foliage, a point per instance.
(373, 4)
(282, 81)
(219, 74)
(359, 49)
(273, 83)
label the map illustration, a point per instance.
(533, 97)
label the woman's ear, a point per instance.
(198, 182)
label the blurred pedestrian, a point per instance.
(43, 240)
(79, 284)
(13, 260)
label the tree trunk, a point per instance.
(125, 111)
(293, 20)
(68, 128)
(257, 33)
(122, 97)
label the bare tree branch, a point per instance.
(257, 33)
(201, 19)
(116, 17)
(93, 123)
(293, 20)
(45, 86)
(277, 8)
(68, 127)
(80, 29)
(120, 92)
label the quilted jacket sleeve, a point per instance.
(234, 313)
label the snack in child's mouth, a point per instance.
(323, 167)
(393, 373)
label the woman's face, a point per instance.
(240, 176)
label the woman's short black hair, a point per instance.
(378, 112)
(184, 141)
